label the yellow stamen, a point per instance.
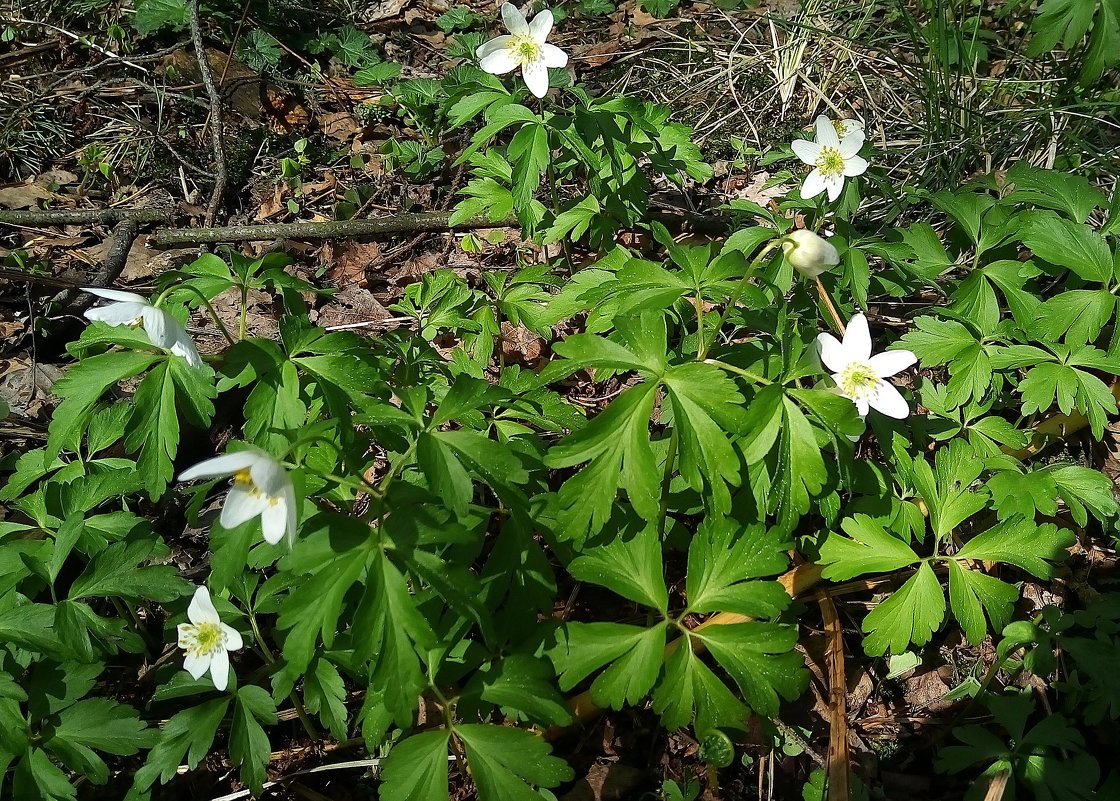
(858, 380)
(525, 49)
(830, 162)
(208, 638)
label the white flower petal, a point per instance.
(155, 326)
(861, 406)
(186, 634)
(219, 668)
(826, 132)
(553, 56)
(201, 608)
(241, 504)
(117, 313)
(274, 519)
(805, 150)
(497, 43)
(498, 62)
(835, 185)
(541, 26)
(292, 522)
(849, 126)
(857, 340)
(889, 401)
(813, 184)
(515, 20)
(831, 353)
(269, 476)
(117, 295)
(233, 638)
(536, 77)
(851, 143)
(856, 165)
(891, 362)
(225, 465)
(196, 664)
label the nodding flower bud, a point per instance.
(809, 254)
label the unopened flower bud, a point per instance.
(809, 254)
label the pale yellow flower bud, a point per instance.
(809, 254)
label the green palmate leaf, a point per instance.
(972, 593)
(154, 429)
(525, 684)
(1069, 387)
(273, 407)
(504, 762)
(29, 626)
(936, 342)
(573, 222)
(81, 388)
(722, 560)
(446, 456)
(118, 572)
(1085, 490)
(36, 777)
(706, 407)
(631, 567)
(800, 471)
(99, 724)
(633, 653)
(151, 15)
(1054, 189)
(617, 445)
(762, 660)
(689, 692)
(910, 615)
(1076, 317)
(948, 490)
(325, 694)
(248, 743)
(870, 549)
(314, 606)
(1022, 543)
(1069, 244)
(389, 628)
(187, 736)
(416, 768)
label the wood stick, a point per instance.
(330, 229)
(83, 216)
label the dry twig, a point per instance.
(216, 127)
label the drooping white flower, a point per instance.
(261, 487)
(207, 640)
(833, 158)
(524, 47)
(809, 254)
(131, 309)
(859, 375)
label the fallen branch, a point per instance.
(330, 229)
(216, 127)
(83, 216)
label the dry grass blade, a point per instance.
(839, 760)
(997, 788)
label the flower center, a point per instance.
(830, 162)
(858, 381)
(208, 638)
(525, 49)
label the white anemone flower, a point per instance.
(207, 640)
(809, 254)
(261, 487)
(131, 309)
(524, 47)
(860, 376)
(833, 158)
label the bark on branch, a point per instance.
(83, 216)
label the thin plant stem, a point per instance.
(297, 702)
(244, 313)
(755, 377)
(205, 301)
(666, 480)
(551, 172)
(837, 320)
(705, 346)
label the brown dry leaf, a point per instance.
(520, 344)
(598, 55)
(347, 262)
(23, 196)
(606, 783)
(57, 177)
(272, 205)
(339, 125)
(386, 9)
(351, 306)
(927, 692)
